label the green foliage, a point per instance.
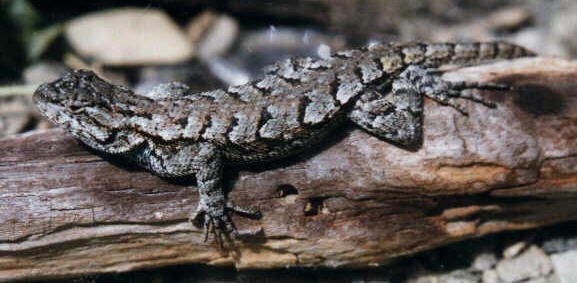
(22, 14)
(24, 38)
(40, 40)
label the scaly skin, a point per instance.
(173, 132)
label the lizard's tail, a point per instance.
(437, 54)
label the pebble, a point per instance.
(490, 276)
(129, 36)
(15, 114)
(531, 263)
(43, 72)
(514, 249)
(510, 18)
(214, 34)
(483, 261)
(565, 265)
(564, 28)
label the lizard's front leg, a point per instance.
(213, 209)
(202, 160)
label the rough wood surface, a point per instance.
(357, 201)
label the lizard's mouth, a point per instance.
(40, 98)
(46, 93)
(47, 105)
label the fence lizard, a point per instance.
(173, 132)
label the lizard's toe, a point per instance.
(218, 224)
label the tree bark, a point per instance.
(355, 201)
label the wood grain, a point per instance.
(356, 201)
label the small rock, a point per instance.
(43, 72)
(129, 36)
(532, 38)
(510, 18)
(198, 25)
(213, 33)
(490, 276)
(565, 265)
(15, 114)
(514, 249)
(531, 263)
(483, 261)
(324, 51)
(564, 27)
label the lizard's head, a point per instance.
(81, 103)
(71, 94)
(78, 102)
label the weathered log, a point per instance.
(355, 201)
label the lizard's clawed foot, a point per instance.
(217, 221)
(429, 82)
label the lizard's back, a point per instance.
(293, 104)
(299, 101)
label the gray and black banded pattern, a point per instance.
(174, 132)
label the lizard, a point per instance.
(173, 132)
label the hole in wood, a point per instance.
(313, 206)
(286, 189)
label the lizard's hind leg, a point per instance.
(429, 83)
(397, 116)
